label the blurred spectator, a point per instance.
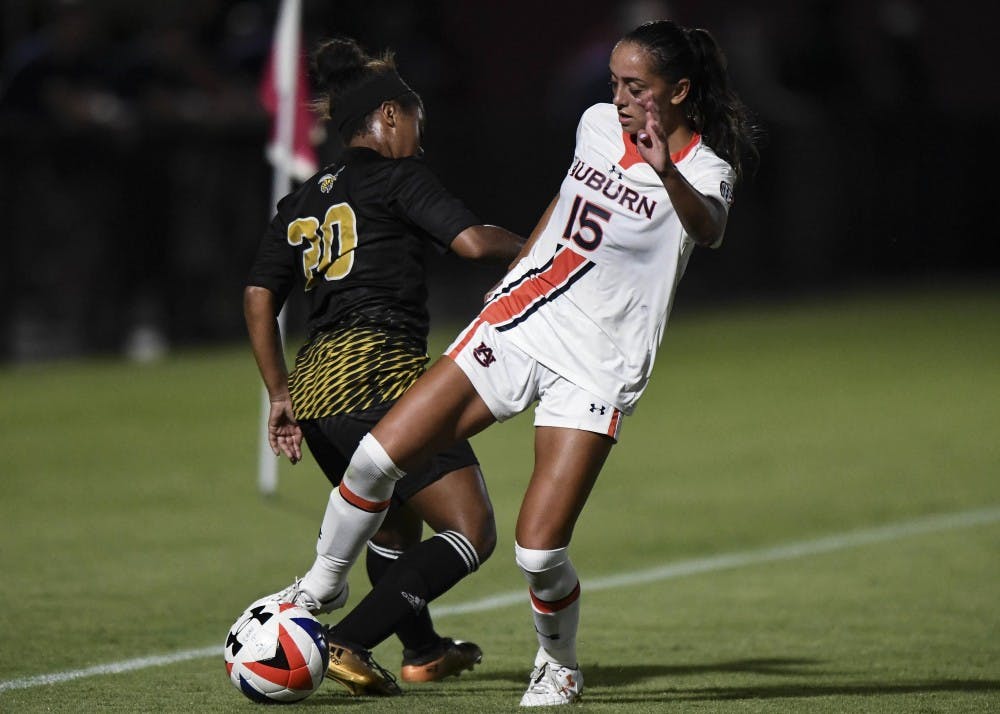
(136, 189)
(134, 150)
(65, 71)
(58, 102)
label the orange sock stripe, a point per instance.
(547, 608)
(363, 503)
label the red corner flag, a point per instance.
(284, 93)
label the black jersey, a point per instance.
(354, 237)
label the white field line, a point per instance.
(725, 561)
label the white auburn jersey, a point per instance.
(591, 299)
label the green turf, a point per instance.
(131, 526)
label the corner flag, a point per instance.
(284, 92)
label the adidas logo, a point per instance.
(416, 603)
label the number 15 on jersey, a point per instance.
(585, 225)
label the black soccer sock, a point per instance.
(415, 631)
(421, 574)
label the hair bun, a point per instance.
(337, 64)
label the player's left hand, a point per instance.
(651, 141)
(283, 433)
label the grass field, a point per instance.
(804, 513)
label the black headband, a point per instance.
(359, 101)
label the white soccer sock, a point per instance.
(555, 601)
(354, 513)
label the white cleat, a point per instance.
(296, 595)
(552, 684)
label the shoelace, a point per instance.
(366, 656)
(538, 675)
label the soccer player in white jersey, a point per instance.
(576, 322)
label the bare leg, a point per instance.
(459, 502)
(438, 410)
(567, 463)
(401, 528)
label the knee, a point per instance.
(473, 519)
(486, 542)
(395, 537)
(481, 535)
(371, 474)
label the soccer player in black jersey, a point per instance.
(353, 237)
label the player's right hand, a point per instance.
(283, 433)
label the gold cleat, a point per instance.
(359, 673)
(456, 657)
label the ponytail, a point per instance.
(713, 108)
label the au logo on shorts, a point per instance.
(484, 355)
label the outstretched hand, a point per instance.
(283, 433)
(651, 141)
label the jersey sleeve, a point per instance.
(415, 196)
(586, 123)
(714, 178)
(274, 266)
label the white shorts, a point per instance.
(509, 380)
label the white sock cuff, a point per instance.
(538, 561)
(380, 458)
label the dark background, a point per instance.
(134, 185)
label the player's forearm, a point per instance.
(260, 311)
(702, 217)
(487, 243)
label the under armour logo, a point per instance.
(599, 409)
(615, 171)
(484, 355)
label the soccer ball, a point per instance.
(276, 652)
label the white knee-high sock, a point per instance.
(354, 512)
(555, 601)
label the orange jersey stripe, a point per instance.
(537, 286)
(506, 307)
